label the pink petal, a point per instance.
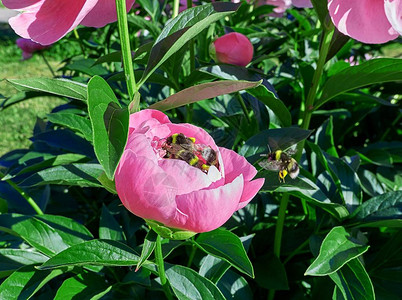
(145, 189)
(363, 20)
(147, 118)
(141, 146)
(104, 13)
(29, 46)
(26, 55)
(302, 3)
(250, 189)
(207, 210)
(235, 165)
(19, 4)
(393, 11)
(51, 20)
(190, 178)
(234, 48)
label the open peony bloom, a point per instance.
(233, 48)
(368, 21)
(29, 47)
(175, 175)
(47, 21)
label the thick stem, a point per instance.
(24, 195)
(161, 267)
(126, 50)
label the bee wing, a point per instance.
(270, 165)
(291, 152)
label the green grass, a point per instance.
(17, 122)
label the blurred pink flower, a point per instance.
(28, 47)
(47, 21)
(368, 21)
(233, 48)
(283, 5)
(157, 185)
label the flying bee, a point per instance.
(281, 161)
(178, 146)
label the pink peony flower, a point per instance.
(233, 48)
(195, 190)
(283, 5)
(368, 21)
(47, 21)
(28, 47)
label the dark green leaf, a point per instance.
(270, 273)
(108, 184)
(227, 246)
(337, 249)
(61, 87)
(325, 137)
(74, 122)
(203, 91)
(383, 210)
(277, 139)
(85, 286)
(12, 259)
(109, 229)
(142, 23)
(183, 28)
(353, 281)
(189, 285)
(109, 124)
(74, 174)
(373, 71)
(25, 282)
(235, 287)
(94, 252)
(147, 248)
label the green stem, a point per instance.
(312, 93)
(77, 36)
(243, 107)
(126, 51)
(176, 4)
(47, 64)
(161, 267)
(280, 222)
(192, 254)
(24, 195)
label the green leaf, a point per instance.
(270, 273)
(383, 210)
(189, 285)
(63, 159)
(183, 28)
(109, 228)
(84, 286)
(35, 232)
(233, 286)
(147, 248)
(74, 122)
(337, 249)
(227, 246)
(373, 71)
(262, 92)
(276, 105)
(60, 87)
(321, 7)
(213, 268)
(142, 23)
(277, 139)
(109, 124)
(325, 137)
(94, 252)
(203, 91)
(84, 175)
(25, 282)
(12, 259)
(108, 184)
(353, 281)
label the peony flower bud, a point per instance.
(177, 179)
(232, 48)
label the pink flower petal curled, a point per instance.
(235, 165)
(393, 11)
(146, 119)
(206, 210)
(51, 20)
(141, 146)
(363, 20)
(103, 13)
(250, 189)
(145, 189)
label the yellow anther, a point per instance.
(193, 161)
(174, 138)
(192, 139)
(278, 155)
